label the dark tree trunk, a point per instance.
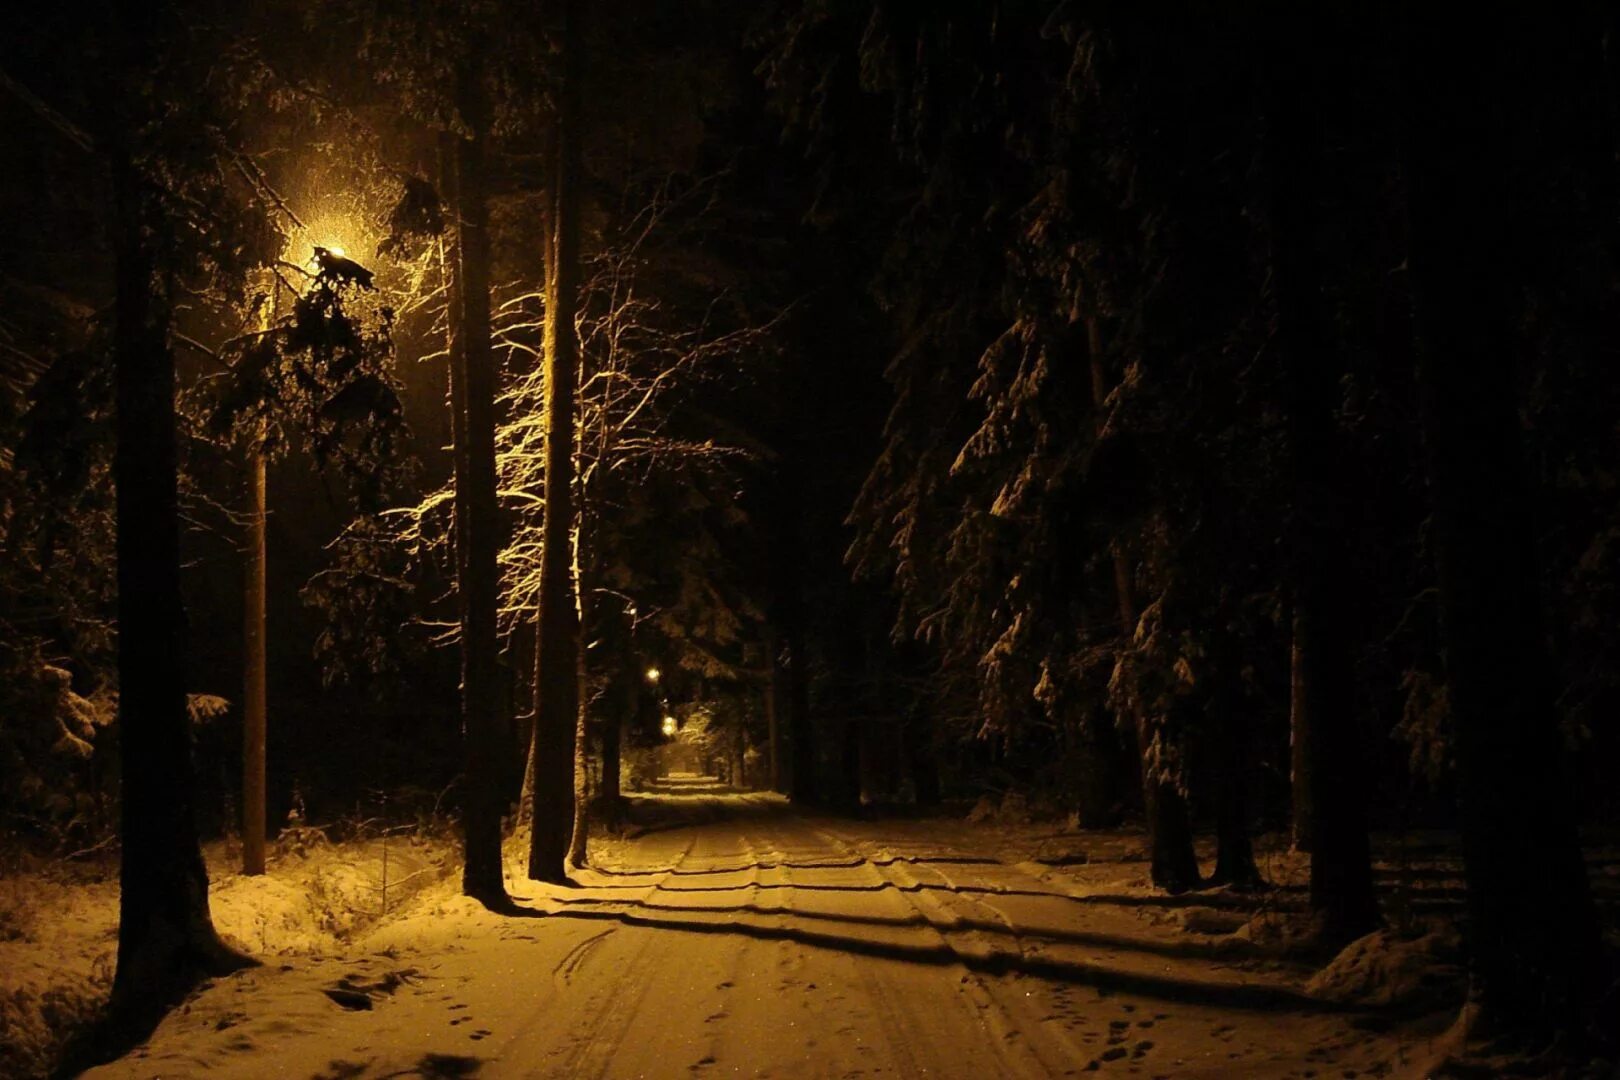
(1164, 806)
(1099, 767)
(612, 757)
(1302, 809)
(922, 762)
(787, 616)
(739, 752)
(1234, 854)
(1341, 892)
(166, 938)
(556, 682)
(1487, 107)
(803, 755)
(579, 835)
(254, 672)
(477, 523)
(850, 762)
(775, 695)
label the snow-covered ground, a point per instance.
(59, 923)
(729, 934)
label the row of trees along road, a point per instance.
(1211, 285)
(200, 134)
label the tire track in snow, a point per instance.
(611, 1010)
(1013, 1053)
(566, 968)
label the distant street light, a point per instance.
(669, 725)
(653, 674)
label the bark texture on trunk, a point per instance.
(556, 682)
(1487, 108)
(1341, 890)
(579, 836)
(477, 521)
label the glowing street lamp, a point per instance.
(669, 725)
(653, 674)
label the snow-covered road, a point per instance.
(735, 936)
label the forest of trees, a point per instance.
(1209, 422)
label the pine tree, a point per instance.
(1486, 110)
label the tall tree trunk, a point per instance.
(1302, 807)
(455, 340)
(612, 758)
(1234, 853)
(166, 938)
(477, 519)
(852, 754)
(1101, 766)
(922, 760)
(556, 682)
(775, 692)
(736, 747)
(579, 837)
(1341, 891)
(802, 756)
(1169, 820)
(254, 675)
(1487, 107)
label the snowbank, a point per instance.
(59, 926)
(1413, 972)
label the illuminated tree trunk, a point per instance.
(454, 341)
(254, 678)
(556, 681)
(580, 835)
(1487, 108)
(1164, 807)
(1341, 889)
(166, 938)
(477, 524)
